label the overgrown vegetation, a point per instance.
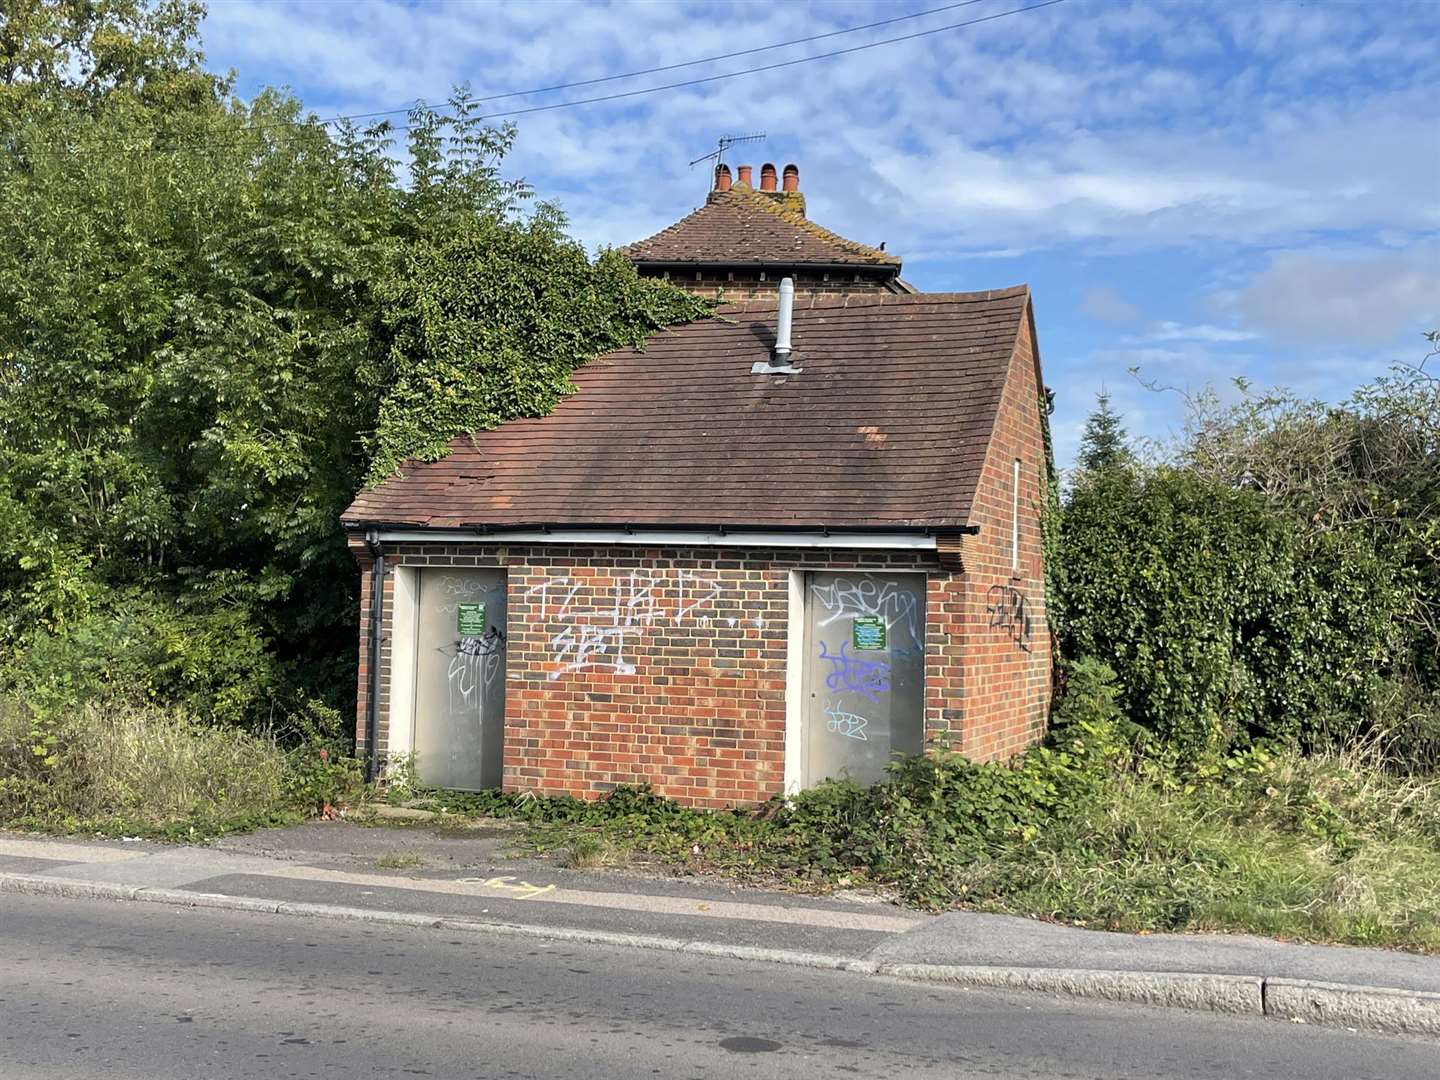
(1275, 576)
(1090, 829)
(217, 319)
(125, 769)
(1226, 621)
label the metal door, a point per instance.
(864, 674)
(460, 678)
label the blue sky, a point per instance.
(1201, 190)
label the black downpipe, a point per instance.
(377, 617)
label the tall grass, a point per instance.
(1316, 849)
(126, 767)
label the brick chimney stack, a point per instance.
(783, 190)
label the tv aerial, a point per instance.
(725, 142)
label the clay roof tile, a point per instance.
(740, 227)
(886, 426)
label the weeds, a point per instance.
(399, 862)
(117, 768)
(587, 851)
(1095, 828)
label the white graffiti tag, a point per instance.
(462, 590)
(473, 668)
(598, 628)
(863, 596)
(848, 724)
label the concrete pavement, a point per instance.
(467, 880)
(138, 991)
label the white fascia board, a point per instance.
(665, 538)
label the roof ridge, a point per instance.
(852, 300)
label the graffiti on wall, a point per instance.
(855, 674)
(862, 596)
(1009, 612)
(456, 590)
(601, 630)
(474, 666)
(847, 724)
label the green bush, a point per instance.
(936, 814)
(1225, 619)
(212, 662)
(321, 772)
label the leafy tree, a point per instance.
(487, 324)
(1281, 577)
(1368, 467)
(83, 53)
(1103, 444)
(212, 314)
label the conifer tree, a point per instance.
(1103, 445)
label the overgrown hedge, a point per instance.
(1226, 619)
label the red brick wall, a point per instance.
(662, 665)
(650, 665)
(1007, 668)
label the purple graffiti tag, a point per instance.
(855, 673)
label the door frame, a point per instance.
(795, 683)
(401, 644)
(796, 619)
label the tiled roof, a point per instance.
(886, 426)
(743, 227)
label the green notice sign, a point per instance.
(470, 619)
(868, 632)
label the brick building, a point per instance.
(721, 568)
(744, 240)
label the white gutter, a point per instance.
(665, 538)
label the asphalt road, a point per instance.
(110, 990)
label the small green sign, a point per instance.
(471, 620)
(868, 632)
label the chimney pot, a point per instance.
(745, 174)
(722, 177)
(791, 181)
(767, 177)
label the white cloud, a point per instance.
(1173, 331)
(1106, 304)
(1120, 126)
(1324, 297)
(1284, 157)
